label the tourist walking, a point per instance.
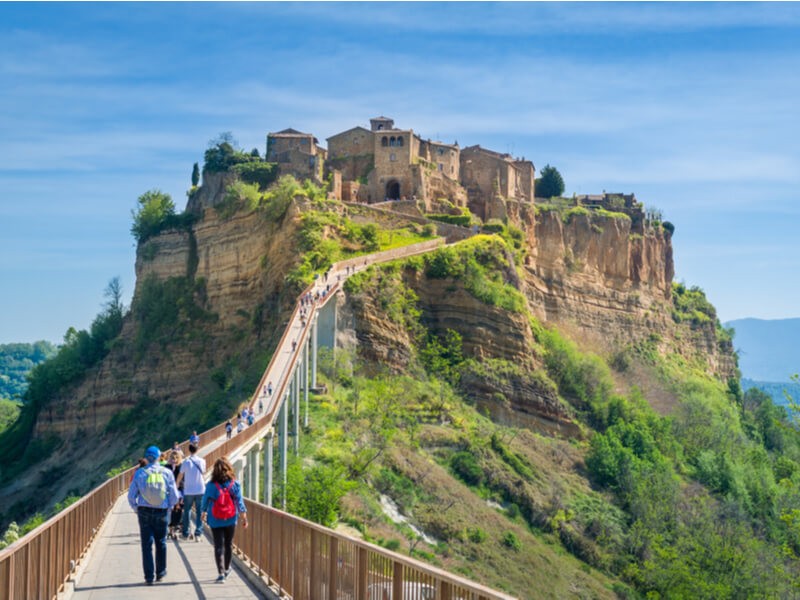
(191, 476)
(222, 505)
(228, 429)
(174, 461)
(194, 438)
(152, 494)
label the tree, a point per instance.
(195, 175)
(550, 183)
(155, 209)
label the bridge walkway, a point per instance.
(114, 568)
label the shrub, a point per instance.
(262, 174)
(223, 155)
(461, 220)
(476, 535)
(155, 209)
(466, 467)
(510, 540)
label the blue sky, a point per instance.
(694, 107)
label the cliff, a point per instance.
(211, 297)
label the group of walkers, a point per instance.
(163, 491)
(244, 419)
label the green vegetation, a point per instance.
(550, 183)
(81, 351)
(195, 175)
(465, 219)
(262, 174)
(9, 412)
(16, 361)
(601, 212)
(482, 264)
(156, 213)
(224, 153)
(168, 310)
(699, 504)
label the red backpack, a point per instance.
(223, 508)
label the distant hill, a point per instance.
(16, 361)
(769, 351)
(777, 391)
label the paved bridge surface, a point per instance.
(114, 569)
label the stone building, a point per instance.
(489, 176)
(297, 154)
(387, 163)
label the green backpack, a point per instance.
(154, 490)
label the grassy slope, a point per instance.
(693, 502)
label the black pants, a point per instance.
(223, 544)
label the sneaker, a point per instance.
(221, 578)
(227, 572)
(160, 577)
(184, 536)
(148, 582)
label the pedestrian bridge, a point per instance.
(91, 549)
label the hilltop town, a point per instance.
(386, 163)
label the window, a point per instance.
(441, 151)
(441, 167)
(393, 157)
(400, 141)
(392, 141)
(384, 141)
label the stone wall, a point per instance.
(356, 141)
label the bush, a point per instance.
(476, 535)
(154, 214)
(223, 155)
(262, 174)
(461, 220)
(510, 540)
(466, 467)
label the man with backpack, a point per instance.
(152, 494)
(192, 471)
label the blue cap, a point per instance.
(152, 453)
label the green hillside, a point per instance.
(698, 504)
(16, 361)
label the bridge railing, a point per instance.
(38, 564)
(310, 562)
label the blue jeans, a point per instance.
(153, 528)
(188, 500)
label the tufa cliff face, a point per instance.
(596, 278)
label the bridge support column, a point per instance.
(282, 432)
(254, 464)
(314, 349)
(296, 411)
(305, 383)
(268, 468)
(241, 472)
